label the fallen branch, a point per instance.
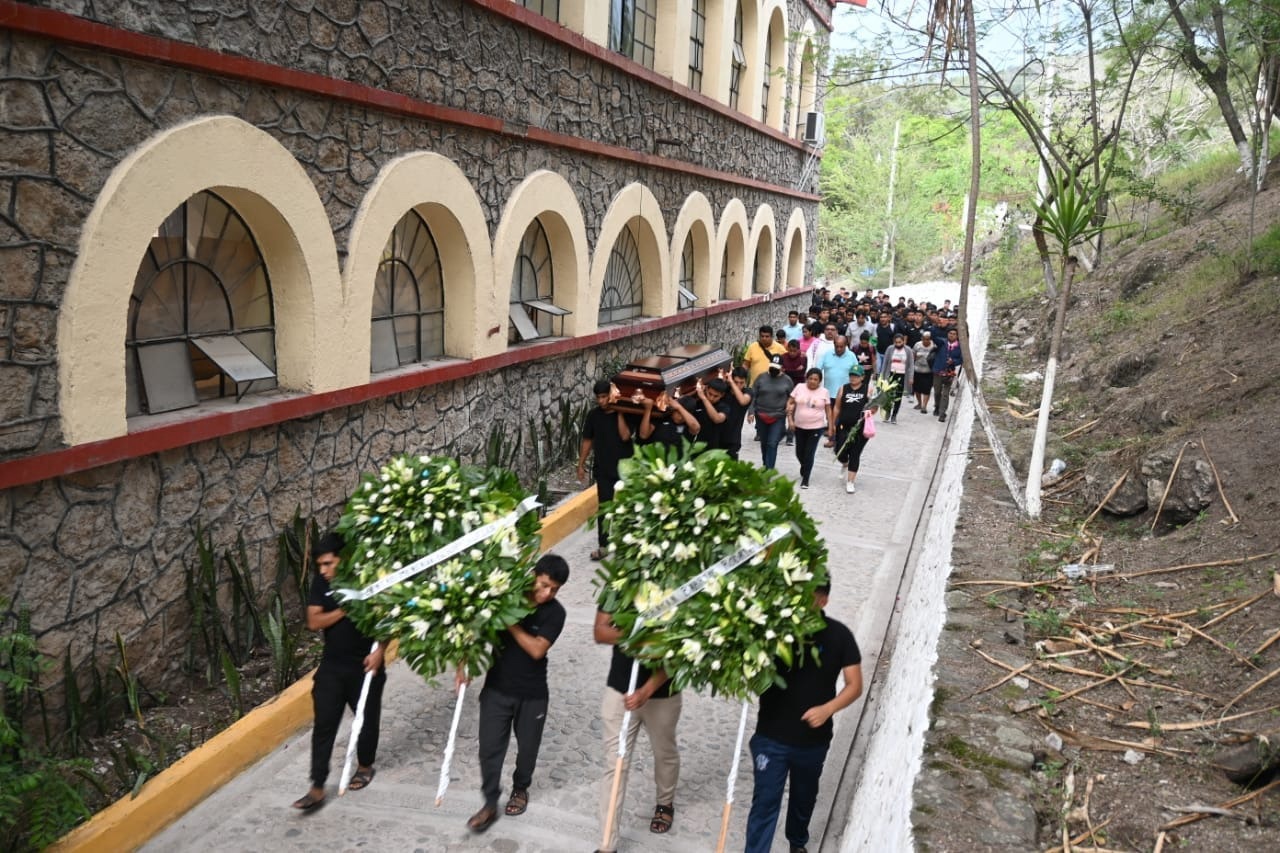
(1197, 808)
(1012, 674)
(1239, 561)
(1239, 657)
(1242, 605)
(1235, 519)
(1046, 685)
(1083, 428)
(1262, 648)
(1193, 725)
(1083, 837)
(1169, 484)
(1106, 744)
(1229, 804)
(1254, 687)
(1115, 488)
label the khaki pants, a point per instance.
(659, 718)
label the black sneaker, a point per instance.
(942, 418)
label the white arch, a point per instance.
(634, 204)
(697, 220)
(437, 189)
(731, 247)
(804, 78)
(764, 252)
(795, 242)
(547, 197)
(267, 187)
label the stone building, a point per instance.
(248, 250)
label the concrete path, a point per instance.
(869, 537)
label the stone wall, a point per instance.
(70, 115)
(104, 550)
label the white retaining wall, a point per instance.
(880, 813)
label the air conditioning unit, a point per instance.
(815, 128)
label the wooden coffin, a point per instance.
(676, 372)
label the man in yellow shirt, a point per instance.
(757, 357)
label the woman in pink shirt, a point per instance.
(807, 339)
(808, 413)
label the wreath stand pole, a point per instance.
(622, 756)
(449, 744)
(356, 725)
(733, 778)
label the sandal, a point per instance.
(597, 555)
(518, 803)
(361, 779)
(482, 820)
(308, 802)
(663, 816)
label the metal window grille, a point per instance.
(546, 8)
(697, 43)
(201, 319)
(623, 292)
(768, 68)
(686, 299)
(533, 312)
(724, 276)
(633, 29)
(408, 297)
(739, 62)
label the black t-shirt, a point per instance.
(884, 336)
(708, 430)
(601, 429)
(851, 404)
(514, 672)
(620, 676)
(914, 334)
(344, 645)
(666, 430)
(730, 436)
(808, 684)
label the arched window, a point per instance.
(623, 292)
(724, 276)
(546, 8)
(633, 29)
(768, 69)
(697, 43)
(686, 298)
(738, 65)
(201, 320)
(408, 298)
(533, 312)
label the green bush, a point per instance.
(1266, 252)
(40, 796)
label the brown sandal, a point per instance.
(518, 803)
(663, 817)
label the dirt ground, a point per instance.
(1089, 713)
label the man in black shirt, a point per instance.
(339, 679)
(793, 732)
(654, 705)
(607, 432)
(709, 409)
(737, 402)
(515, 694)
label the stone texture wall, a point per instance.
(104, 550)
(70, 115)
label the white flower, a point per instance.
(699, 503)
(437, 604)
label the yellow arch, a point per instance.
(731, 248)
(546, 196)
(634, 204)
(794, 251)
(764, 250)
(773, 13)
(697, 220)
(436, 188)
(267, 187)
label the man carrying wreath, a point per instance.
(793, 731)
(515, 694)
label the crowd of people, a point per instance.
(798, 383)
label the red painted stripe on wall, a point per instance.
(201, 426)
(69, 29)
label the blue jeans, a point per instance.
(770, 436)
(773, 761)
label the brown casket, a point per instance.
(676, 372)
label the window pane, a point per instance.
(622, 296)
(407, 338)
(410, 284)
(382, 352)
(207, 303)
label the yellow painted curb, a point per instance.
(128, 823)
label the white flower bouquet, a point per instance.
(452, 610)
(675, 514)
